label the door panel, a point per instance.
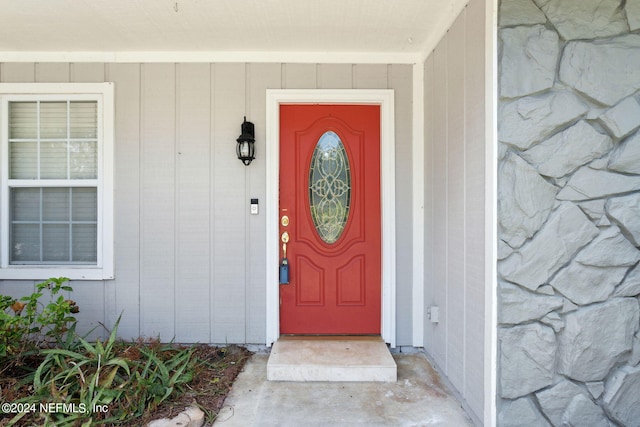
(330, 191)
(351, 280)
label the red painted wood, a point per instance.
(334, 288)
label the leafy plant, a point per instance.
(28, 324)
(159, 378)
(94, 375)
(78, 375)
(56, 316)
(105, 375)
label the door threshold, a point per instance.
(285, 337)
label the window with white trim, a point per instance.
(56, 192)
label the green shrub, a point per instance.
(93, 375)
(166, 370)
(103, 375)
(79, 375)
(28, 324)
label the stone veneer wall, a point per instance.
(569, 213)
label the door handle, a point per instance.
(284, 239)
(284, 265)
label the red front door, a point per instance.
(330, 194)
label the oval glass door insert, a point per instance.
(330, 187)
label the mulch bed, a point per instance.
(210, 386)
(216, 370)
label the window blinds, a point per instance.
(53, 141)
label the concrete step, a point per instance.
(331, 359)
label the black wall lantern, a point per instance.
(246, 143)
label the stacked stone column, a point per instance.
(569, 213)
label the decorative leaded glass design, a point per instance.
(330, 187)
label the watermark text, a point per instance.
(52, 408)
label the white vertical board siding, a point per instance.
(335, 76)
(400, 79)
(90, 296)
(93, 72)
(475, 219)
(158, 208)
(193, 257)
(429, 199)
(91, 293)
(440, 244)
(189, 257)
(455, 149)
(456, 205)
(17, 289)
(230, 207)
(370, 76)
(57, 72)
(299, 76)
(260, 77)
(123, 294)
(18, 72)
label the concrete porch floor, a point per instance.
(417, 398)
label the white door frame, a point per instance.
(382, 97)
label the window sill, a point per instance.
(43, 273)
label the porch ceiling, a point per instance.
(265, 26)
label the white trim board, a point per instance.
(417, 291)
(382, 97)
(215, 56)
(491, 212)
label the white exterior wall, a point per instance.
(455, 262)
(189, 257)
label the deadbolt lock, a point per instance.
(284, 221)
